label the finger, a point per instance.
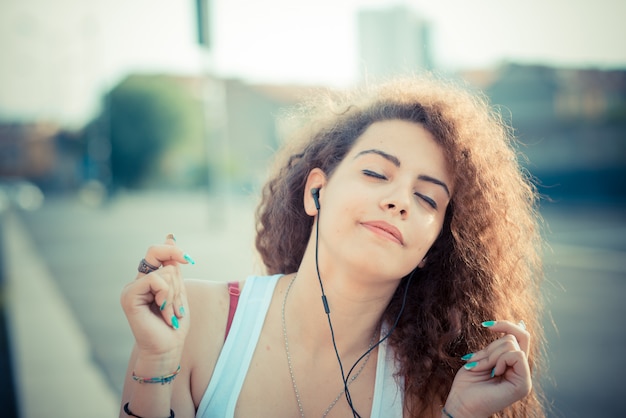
(168, 253)
(158, 290)
(516, 329)
(171, 270)
(180, 302)
(505, 327)
(151, 288)
(170, 240)
(176, 298)
(487, 358)
(159, 254)
(165, 254)
(180, 298)
(174, 278)
(166, 299)
(513, 366)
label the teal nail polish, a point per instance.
(163, 305)
(174, 322)
(493, 372)
(181, 310)
(467, 356)
(488, 324)
(470, 366)
(189, 259)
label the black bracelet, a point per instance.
(130, 414)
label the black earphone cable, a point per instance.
(345, 378)
(330, 324)
(395, 324)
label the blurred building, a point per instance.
(571, 122)
(393, 41)
(27, 150)
(240, 136)
(254, 129)
(41, 152)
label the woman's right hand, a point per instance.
(156, 304)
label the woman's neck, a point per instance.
(356, 306)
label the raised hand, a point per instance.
(155, 303)
(494, 377)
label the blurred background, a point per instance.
(122, 121)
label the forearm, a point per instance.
(455, 409)
(153, 403)
(149, 386)
(445, 413)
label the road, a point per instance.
(93, 251)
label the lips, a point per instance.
(385, 230)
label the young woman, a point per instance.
(401, 240)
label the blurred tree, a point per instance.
(155, 129)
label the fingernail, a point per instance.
(171, 236)
(488, 324)
(174, 322)
(189, 259)
(493, 372)
(522, 324)
(470, 366)
(163, 305)
(181, 310)
(467, 356)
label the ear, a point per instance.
(315, 179)
(422, 263)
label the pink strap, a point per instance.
(234, 292)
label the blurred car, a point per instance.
(21, 194)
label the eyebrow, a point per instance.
(435, 181)
(395, 161)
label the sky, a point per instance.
(58, 57)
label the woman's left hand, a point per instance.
(494, 377)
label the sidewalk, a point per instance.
(54, 373)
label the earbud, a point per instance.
(316, 197)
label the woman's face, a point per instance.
(384, 205)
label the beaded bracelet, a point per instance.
(160, 379)
(446, 413)
(130, 413)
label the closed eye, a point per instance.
(428, 200)
(374, 174)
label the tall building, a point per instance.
(393, 41)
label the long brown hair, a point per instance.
(486, 263)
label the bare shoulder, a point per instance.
(207, 297)
(208, 310)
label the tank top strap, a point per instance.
(388, 401)
(220, 397)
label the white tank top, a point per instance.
(220, 398)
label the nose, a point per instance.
(397, 203)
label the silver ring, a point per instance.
(145, 267)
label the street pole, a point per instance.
(215, 117)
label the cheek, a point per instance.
(427, 229)
(337, 214)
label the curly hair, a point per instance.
(486, 264)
